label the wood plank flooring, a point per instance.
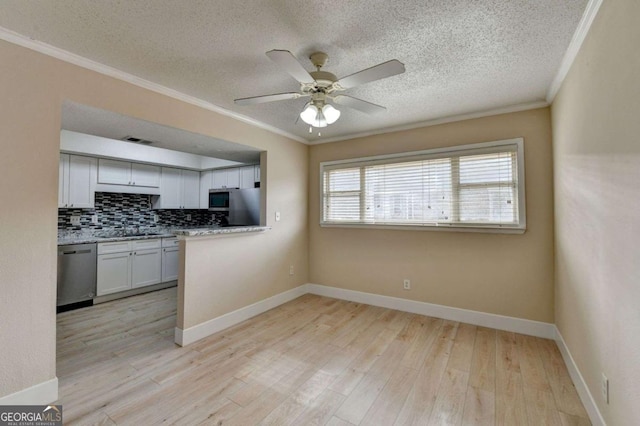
(312, 361)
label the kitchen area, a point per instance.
(122, 205)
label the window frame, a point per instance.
(447, 152)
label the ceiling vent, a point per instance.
(137, 140)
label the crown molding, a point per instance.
(437, 121)
(66, 56)
(574, 47)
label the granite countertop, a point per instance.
(200, 232)
(87, 237)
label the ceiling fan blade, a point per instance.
(290, 64)
(377, 72)
(359, 104)
(267, 98)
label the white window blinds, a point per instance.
(475, 186)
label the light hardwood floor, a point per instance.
(312, 361)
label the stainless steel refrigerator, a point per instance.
(244, 206)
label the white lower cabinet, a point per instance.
(170, 259)
(146, 268)
(170, 264)
(114, 273)
(124, 265)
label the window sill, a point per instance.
(481, 229)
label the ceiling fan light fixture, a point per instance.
(319, 117)
(330, 113)
(309, 113)
(319, 120)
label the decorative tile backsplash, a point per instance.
(133, 210)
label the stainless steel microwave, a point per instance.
(219, 199)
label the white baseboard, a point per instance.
(40, 394)
(200, 331)
(581, 386)
(518, 325)
(500, 322)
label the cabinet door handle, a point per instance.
(71, 205)
(134, 183)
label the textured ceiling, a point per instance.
(461, 56)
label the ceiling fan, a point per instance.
(322, 86)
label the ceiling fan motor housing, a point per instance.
(323, 78)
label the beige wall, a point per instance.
(596, 123)
(227, 272)
(32, 88)
(497, 273)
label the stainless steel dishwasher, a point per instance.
(77, 266)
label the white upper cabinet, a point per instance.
(179, 189)
(145, 175)
(170, 189)
(247, 177)
(219, 179)
(190, 189)
(82, 181)
(206, 183)
(77, 181)
(113, 172)
(63, 180)
(226, 178)
(233, 178)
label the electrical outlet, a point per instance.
(94, 219)
(605, 388)
(290, 269)
(188, 217)
(277, 216)
(75, 220)
(407, 284)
